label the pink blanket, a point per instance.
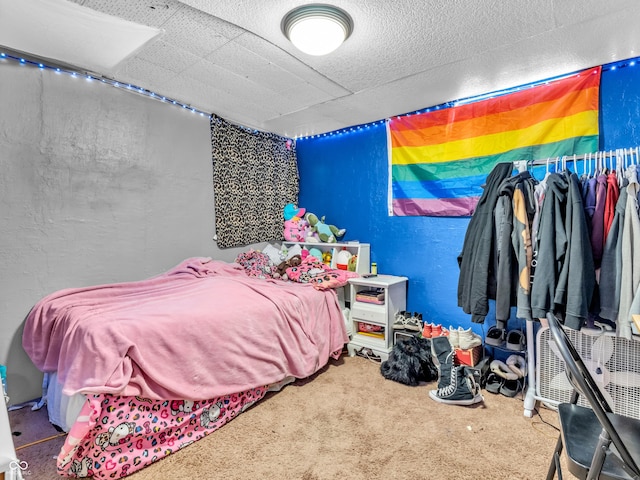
(203, 329)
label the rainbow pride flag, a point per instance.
(439, 160)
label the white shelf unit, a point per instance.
(9, 463)
(381, 315)
(362, 250)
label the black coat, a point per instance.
(475, 260)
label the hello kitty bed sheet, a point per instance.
(115, 436)
(203, 331)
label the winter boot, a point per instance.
(441, 349)
(462, 389)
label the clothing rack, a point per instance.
(618, 159)
(623, 158)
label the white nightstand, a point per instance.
(373, 316)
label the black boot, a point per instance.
(441, 349)
(462, 389)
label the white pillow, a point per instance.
(294, 250)
(275, 254)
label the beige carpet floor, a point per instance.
(346, 422)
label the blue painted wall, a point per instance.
(344, 177)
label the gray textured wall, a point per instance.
(97, 185)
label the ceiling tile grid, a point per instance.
(230, 57)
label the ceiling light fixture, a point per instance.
(317, 29)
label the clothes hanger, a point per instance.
(621, 161)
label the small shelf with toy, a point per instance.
(321, 240)
(358, 260)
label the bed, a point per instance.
(138, 370)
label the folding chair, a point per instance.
(597, 442)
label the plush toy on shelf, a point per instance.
(303, 226)
(296, 228)
(326, 233)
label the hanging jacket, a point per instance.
(475, 259)
(524, 208)
(611, 266)
(502, 285)
(613, 192)
(597, 221)
(581, 273)
(564, 278)
(513, 213)
(589, 198)
(630, 272)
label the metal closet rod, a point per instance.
(519, 164)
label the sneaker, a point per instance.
(515, 340)
(454, 337)
(510, 388)
(400, 320)
(494, 383)
(439, 331)
(462, 390)
(369, 355)
(414, 322)
(467, 339)
(427, 330)
(495, 336)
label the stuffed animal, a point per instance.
(295, 230)
(296, 227)
(280, 272)
(326, 233)
(291, 211)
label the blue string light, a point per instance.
(609, 66)
(355, 128)
(106, 81)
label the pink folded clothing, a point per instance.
(319, 274)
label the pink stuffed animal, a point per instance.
(295, 230)
(295, 226)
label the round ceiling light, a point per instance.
(317, 29)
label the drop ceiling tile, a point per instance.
(197, 32)
(168, 56)
(255, 68)
(291, 64)
(152, 13)
(145, 74)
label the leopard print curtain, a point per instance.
(255, 174)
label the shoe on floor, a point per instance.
(369, 355)
(462, 390)
(494, 383)
(503, 370)
(510, 388)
